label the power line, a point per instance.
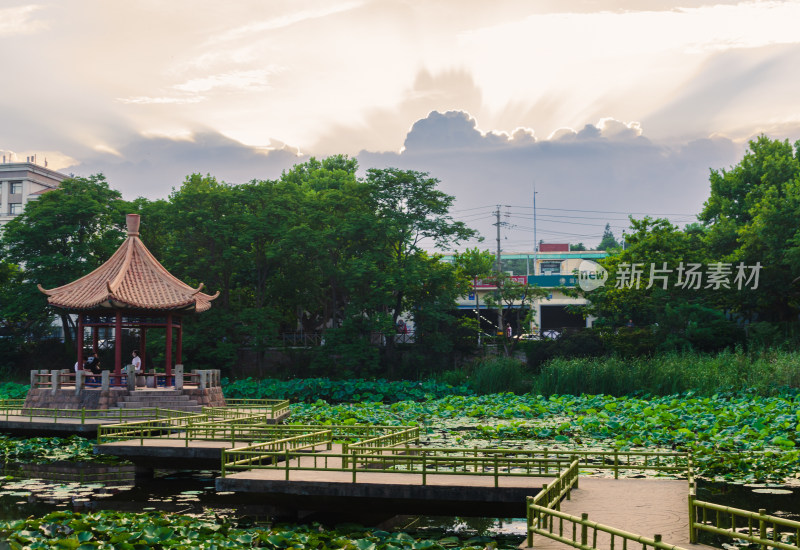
(604, 211)
(488, 206)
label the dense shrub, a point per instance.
(13, 390)
(340, 391)
(764, 373)
(498, 375)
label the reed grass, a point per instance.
(766, 373)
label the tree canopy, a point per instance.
(318, 250)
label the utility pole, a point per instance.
(535, 254)
(500, 327)
(535, 242)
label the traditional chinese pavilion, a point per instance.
(131, 290)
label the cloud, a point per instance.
(147, 100)
(196, 90)
(19, 20)
(610, 166)
(253, 80)
(284, 21)
(384, 128)
(738, 93)
(150, 166)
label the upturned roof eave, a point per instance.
(98, 290)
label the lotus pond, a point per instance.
(745, 447)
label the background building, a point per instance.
(21, 182)
(552, 267)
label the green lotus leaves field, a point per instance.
(129, 531)
(734, 436)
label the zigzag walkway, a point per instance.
(384, 469)
(644, 506)
(321, 481)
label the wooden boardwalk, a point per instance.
(643, 506)
(31, 426)
(638, 505)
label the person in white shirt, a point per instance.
(136, 362)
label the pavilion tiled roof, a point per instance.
(132, 279)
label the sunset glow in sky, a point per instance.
(481, 95)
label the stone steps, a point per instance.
(162, 399)
(155, 396)
(160, 403)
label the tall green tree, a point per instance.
(608, 242)
(411, 212)
(63, 235)
(751, 216)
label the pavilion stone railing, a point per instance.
(57, 380)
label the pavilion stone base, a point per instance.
(208, 397)
(97, 399)
(62, 389)
(68, 398)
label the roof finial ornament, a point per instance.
(133, 225)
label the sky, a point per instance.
(607, 108)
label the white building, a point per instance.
(21, 182)
(551, 268)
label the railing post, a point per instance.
(584, 529)
(762, 527)
(657, 538)
(55, 377)
(616, 464)
(131, 378)
(105, 381)
(203, 378)
(529, 516)
(424, 469)
(692, 517)
(178, 376)
(79, 379)
(34, 377)
(576, 474)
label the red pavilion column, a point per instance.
(142, 345)
(180, 343)
(80, 339)
(118, 347)
(169, 346)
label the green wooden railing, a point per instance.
(554, 492)
(278, 407)
(616, 461)
(579, 532)
(668, 462)
(544, 516)
(147, 429)
(83, 415)
(267, 454)
(385, 442)
(735, 523)
(395, 460)
(352, 433)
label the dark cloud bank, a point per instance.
(608, 168)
